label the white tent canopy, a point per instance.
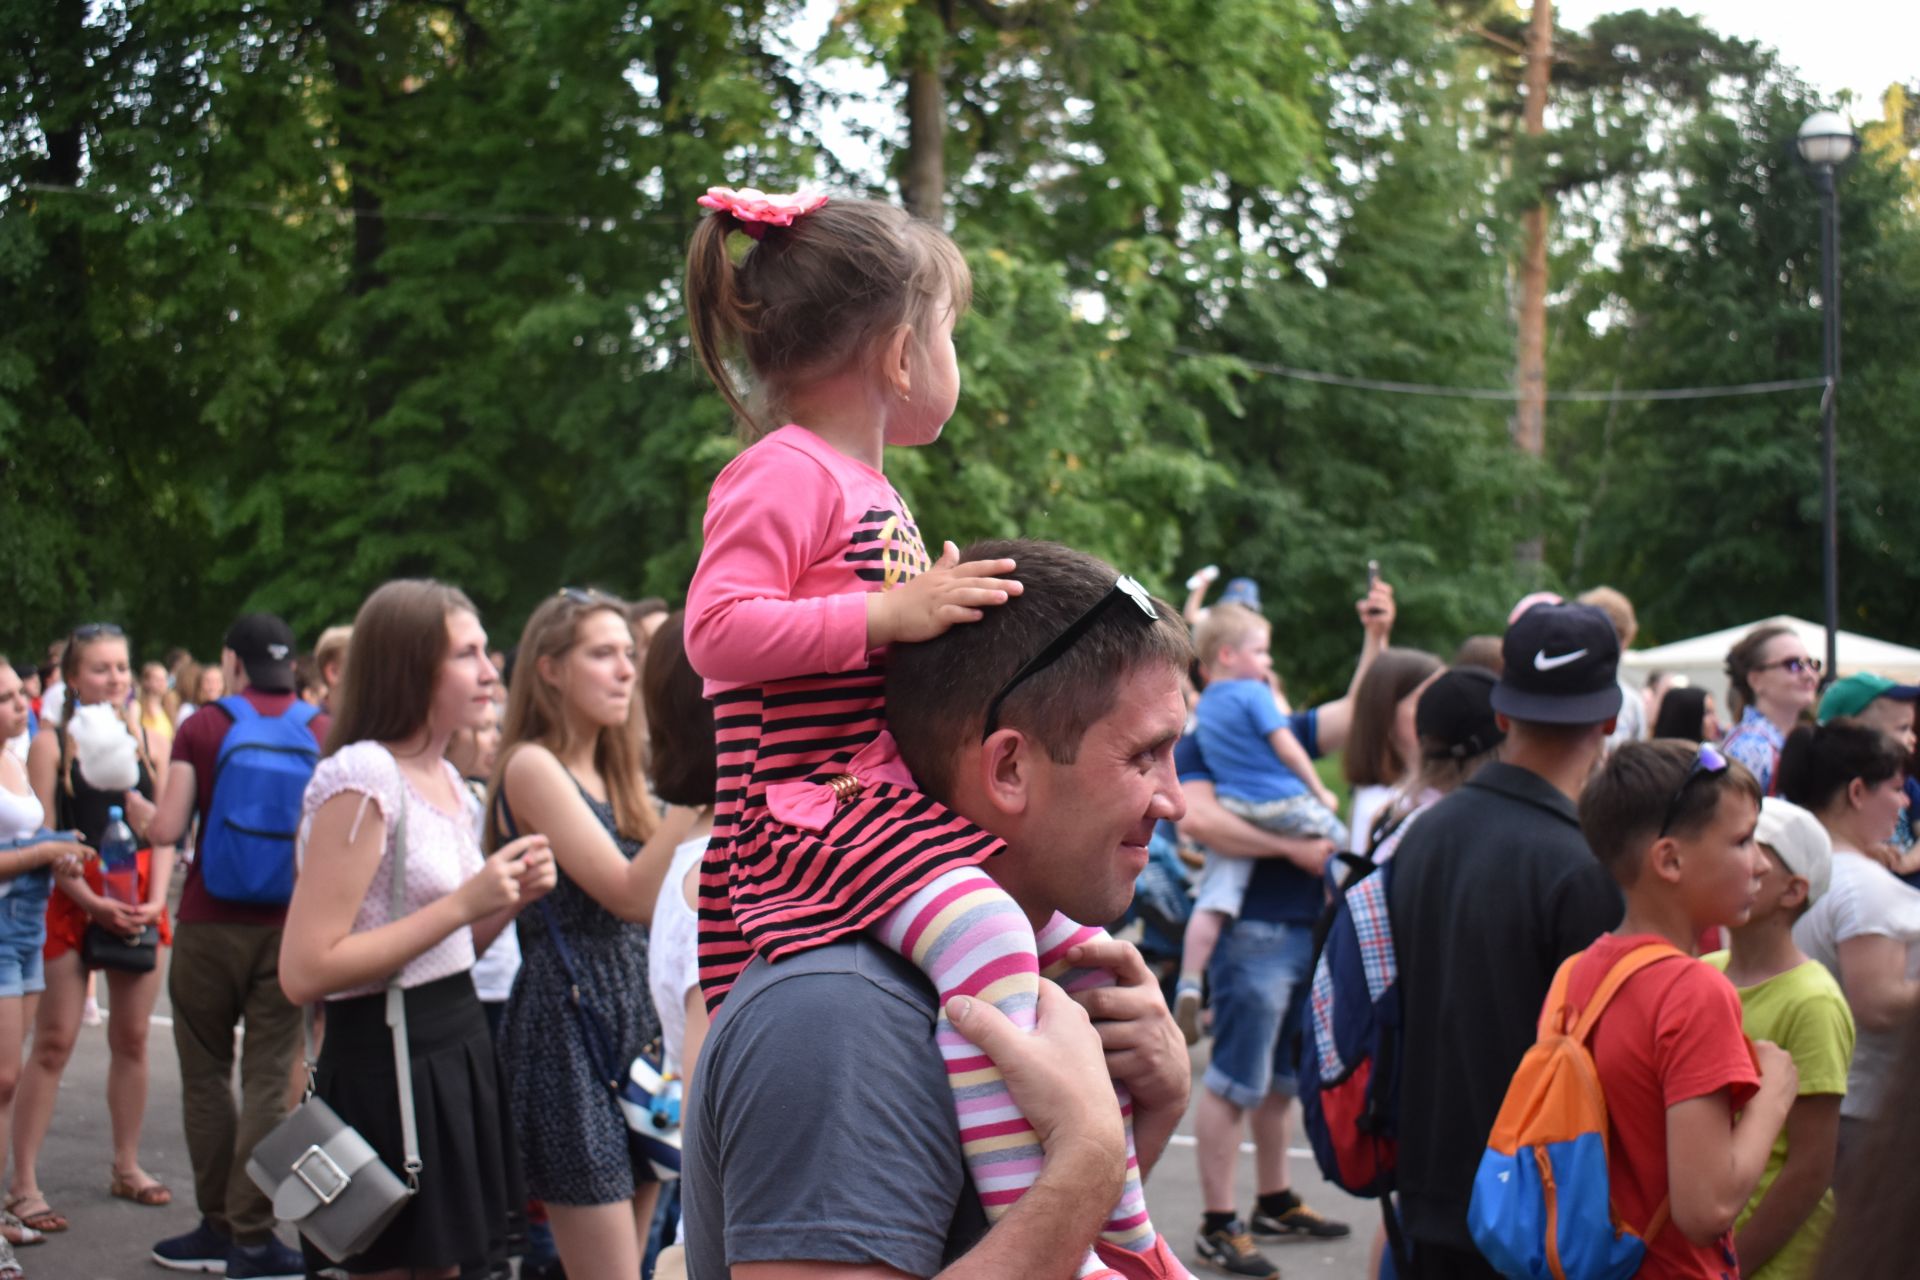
(1703, 659)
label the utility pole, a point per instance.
(1530, 373)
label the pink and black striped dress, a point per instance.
(797, 535)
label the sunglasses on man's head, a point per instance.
(1793, 666)
(1124, 589)
(1707, 761)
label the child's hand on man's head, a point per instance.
(943, 596)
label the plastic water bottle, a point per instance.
(118, 869)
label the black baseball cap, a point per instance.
(1562, 666)
(1454, 716)
(264, 644)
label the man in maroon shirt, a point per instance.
(225, 969)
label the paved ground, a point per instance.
(110, 1238)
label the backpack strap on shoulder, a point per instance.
(1625, 967)
(237, 708)
(301, 712)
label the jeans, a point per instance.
(23, 934)
(1259, 980)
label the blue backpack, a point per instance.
(1350, 1050)
(246, 836)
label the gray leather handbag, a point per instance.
(322, 1176)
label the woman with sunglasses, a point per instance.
(569, 770)
(1772, 683)
(95, 671)
(1866, 927)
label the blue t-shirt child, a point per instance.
(1234, 722)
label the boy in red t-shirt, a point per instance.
(1693, 1109)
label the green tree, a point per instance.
(1708, 512)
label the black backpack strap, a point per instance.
(597, 1040)
(1396, 1237)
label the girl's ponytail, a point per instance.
(717, 313)
(1818, 762)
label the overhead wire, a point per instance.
(1322, 377)
(1510, 394)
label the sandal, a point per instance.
(152, 1193)
(10, 1268)
(16, 1232)
(41, 1219)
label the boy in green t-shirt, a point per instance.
(1794, 1002)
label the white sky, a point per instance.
(1858, 45)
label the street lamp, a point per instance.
(1825, 143)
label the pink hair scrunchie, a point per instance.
(755, 211)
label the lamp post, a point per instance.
(1825, 143)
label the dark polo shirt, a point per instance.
(1492, 889)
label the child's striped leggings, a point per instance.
(966, 934)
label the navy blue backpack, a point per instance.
(1350, 1048)
(246, 835)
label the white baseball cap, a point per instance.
(1799, 840)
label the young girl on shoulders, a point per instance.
(844, 313)
(417, 672)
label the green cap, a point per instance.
(1850, 695)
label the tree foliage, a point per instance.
(300, 295)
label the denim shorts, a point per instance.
(1259, 980)
(23, 932)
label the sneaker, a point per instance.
(1186, 1011)
(202, 1249)
(1297, 1223)
(268, 1260)
(1230, 1249)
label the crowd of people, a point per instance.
(833, 853)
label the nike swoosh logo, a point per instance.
(1541, 662)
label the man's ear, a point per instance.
(1005, 767)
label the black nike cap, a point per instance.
(1562, 666)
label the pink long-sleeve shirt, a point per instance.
(797, 535)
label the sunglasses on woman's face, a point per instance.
(1793, 666)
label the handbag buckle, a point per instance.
(323, 1177)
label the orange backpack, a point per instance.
(1541, 1201)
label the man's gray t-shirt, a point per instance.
(821, 1126)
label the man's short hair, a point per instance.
(1627, 800)
(938, 690)
(1226, 626)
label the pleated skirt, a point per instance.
(470, 1175)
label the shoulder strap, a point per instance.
(593, 1032)
(1623, 968)
(396, 1010)
(397, 1001)
(237, 708)
(300, 712)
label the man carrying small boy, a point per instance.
(1792, 1000)
(1260, 772)
(1693, 1110)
